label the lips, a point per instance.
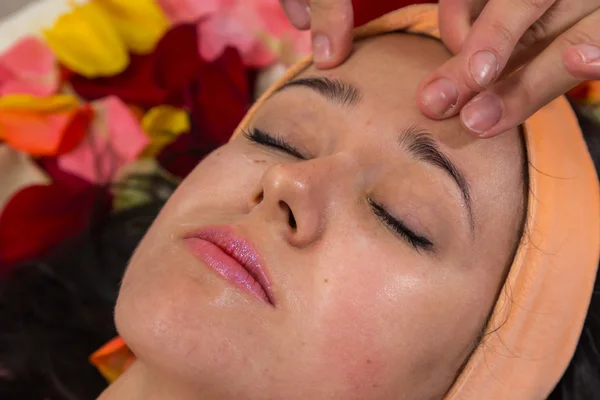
(232, 257)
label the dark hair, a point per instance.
(55, 312)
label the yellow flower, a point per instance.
(25, 102)
(140, 23)
(87, 42)
(163, 124)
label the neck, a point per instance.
(138, 383)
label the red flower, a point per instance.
(39, 217)
(367, 10)
(135, 85)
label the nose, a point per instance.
(295, 196)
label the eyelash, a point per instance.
(277, 142)
(416, 241)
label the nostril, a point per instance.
(259, 198)
(291, 219)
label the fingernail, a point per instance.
(589, 53)
(440, 96)
(321, 47)
(298, 12)
(484, 67)
(482, 113)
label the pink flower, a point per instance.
(115, 139)
(29, 67)
(258, 29)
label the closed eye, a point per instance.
(276, 142)
(417, 241)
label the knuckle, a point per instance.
(525, 90)
(506, 39)
(576, 36)
(538, 4)
(336, 12)
(538, 32)
(325, 6)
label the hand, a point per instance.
(331, 23)
(556, 42)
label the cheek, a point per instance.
(360, 318)
(224, 180)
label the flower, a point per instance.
(28, 67)
(18, 172)
(140, 23)
(114, 140)
(112, 359)
(86, 41)
(41, 216)
(154, 79)
(163, 124)
(246, 25)
(43, 126)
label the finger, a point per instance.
(583, 61)
(562, 16)
(454, 22)
(484, 54)
(298, 12)
(331, 25)
(510, 102)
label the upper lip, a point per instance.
(241, 250)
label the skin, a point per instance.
(360, 313)
(557, 42)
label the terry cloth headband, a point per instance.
(538, 317)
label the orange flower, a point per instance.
(112, 359)
(46, 126)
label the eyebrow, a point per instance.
(423, 146)
(419, 143)
(334, 90)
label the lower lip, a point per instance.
(227, 267)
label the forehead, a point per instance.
(387, 69)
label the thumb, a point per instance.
(331, 25)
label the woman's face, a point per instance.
(386, 240)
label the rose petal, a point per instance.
(29, 57)
(86, 41)
(162, 125)
(28, 67)
(18, 172)
(140, 23)
(367, 10)
(184, 11)
(222, 97)
(39, 217)
(177, 58)
(135, 85)
(44, 133)
(115, 140)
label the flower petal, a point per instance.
(24, 102)
(112, 359)
(222, 97)
(29, 226)
(177, 58)
(28, 67)
(136, 85)
(19, 171)
(114, 140)
(163, 124)
(50, 127)
(86, 41)
(184, 11)
(140, 23)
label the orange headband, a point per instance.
(537, 320)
